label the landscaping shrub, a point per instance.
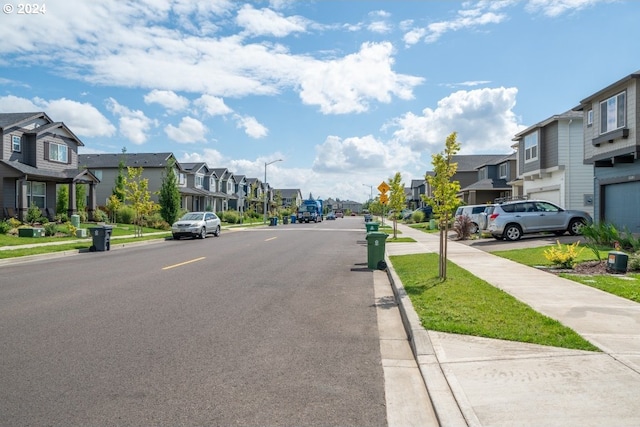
(62, 218)
(155, 221)
(417, 216)
(230, 217)
(50, 229)
(100, 216)
(33, 214)
(564, 256)
(14, 223)
(70, 229)
(5, 227)
(634, 262)
(126, 214)
(463, 226)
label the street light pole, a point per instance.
(265, 188)
(370, 191)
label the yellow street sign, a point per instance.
(383, 187)
(384, 198)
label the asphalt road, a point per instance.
(264, 327)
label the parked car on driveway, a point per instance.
(477, 215)
(510, 220)
(196, 224)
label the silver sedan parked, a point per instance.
(196, 224)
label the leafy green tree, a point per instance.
(445, 194)
(397, 199)
(62, 200)
(119, 189)
(169, 197)
(137, 193)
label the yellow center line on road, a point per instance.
(273, 238)
(183, 263)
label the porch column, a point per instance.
(92, 200)
(71, 210)
(22, 200)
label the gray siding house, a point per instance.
(611, 120)
(550, 162)
(36, 156)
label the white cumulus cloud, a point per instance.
(188, 131)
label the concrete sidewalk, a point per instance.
(476, 381)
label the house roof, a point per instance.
(568, 115)
(623, 80)
(145, 160)
(194, 167)
(498, 160)
(63, 175)
(288, 192)
(15, 119)
(471, 162)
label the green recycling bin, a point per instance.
(371, 226)
(376, 242)
(101, 236)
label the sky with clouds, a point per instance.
(345, 93)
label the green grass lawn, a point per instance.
(625, 286)
(465, 304)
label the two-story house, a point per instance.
(492, 181)
(550, 162)
(611, 121)
(37, 155)
(197, 195)
(107, 167)
(291, 197)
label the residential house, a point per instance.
(611, 121)
(240, 190)
(37, 156)
(350, 205)
(291, 197)
(492, 181)
(106, 168)
(254, 199)
(550, 162)
(196, 195)
(226, 187)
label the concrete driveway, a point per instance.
(489, 244)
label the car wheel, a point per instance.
(217, 232)
(203, 233)
(473, 229)
(513, 232)
(575, 226)
(176, 237)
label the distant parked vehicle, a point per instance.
(331, 216)
(339, 214)
(510, 220)
(196, 224)
(476, 214)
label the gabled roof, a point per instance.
(195, 167)
(288, 193)
(488, 184)
(596, 95)
(63, 175)
(14, 119)
(471, 162)
(135, 160)
(417, 182)
(568, 115)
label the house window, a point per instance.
(503, 170)
(483, 174)
(36, 194)
(612, 113)
(16, 143)
(590, 118)
(97, 173)
(229, 187)
(531, 147)
(58, 152)
(199, 180)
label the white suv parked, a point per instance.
(477, 215)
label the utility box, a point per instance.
(376, 242)
(31, 232)
(371, 226)
(75, 221)
(101, 236)
(617, 262)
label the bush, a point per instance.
(100, 216)
(563, 255)
(5, 227)
(155, 221)
(70, 229)
(50, 229)
(126, 214)
(231, 217)
(14, 223)
(33, 214)
(417, 216)
(463, 226)
(634, 262)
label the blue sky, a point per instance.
(346, 93)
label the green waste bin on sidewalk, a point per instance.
(101, 236)
(371, 226)
(376, 242)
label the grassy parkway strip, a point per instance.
(183, 263)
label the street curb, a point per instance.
(444, 403)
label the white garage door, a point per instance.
(550, 196)
(622, 205)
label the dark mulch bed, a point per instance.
(588, 268)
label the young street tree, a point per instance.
(397, 199)
(137, 193)
(445, 200)
(169, 197)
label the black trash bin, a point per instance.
(101, 236)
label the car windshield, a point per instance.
(191, 217)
